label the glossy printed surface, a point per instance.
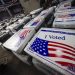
(19, 39)
(55, 48)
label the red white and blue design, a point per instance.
(19, 40)
(38, 21)
(35, 22)
(24, 33)
(54, 47)
(22, 37)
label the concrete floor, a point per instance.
(16, 67)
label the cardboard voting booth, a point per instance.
(64, 21)
(37, 22)
(69, 9)
(19, 40)
(57, 14)
(64, 4)
(65, 11)
(55, 48)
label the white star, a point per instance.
(44, 53)
(43, 46)
(40, 50)
(44, 43)
(40, 46)
(43, 49)
(37, 47)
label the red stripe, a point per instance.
(53, 49)
(62, 44)
(61, 47)
(62, 56)
(65, 63)
(68, 53)
(53, 55)
(67, 57)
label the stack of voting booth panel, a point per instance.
(39, 20)
(24, 20)
(54, 48)
(23, 36)
(17, 23)
(19, 40)
(64, 17)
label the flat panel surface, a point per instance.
(55, 48)
(19, 39)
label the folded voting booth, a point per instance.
(55, 48)
(57, 14)
(64, 4)
(65, 11)
(39, 20)
(65, 21)
(36, 12)
(69, 9)
(19, 40)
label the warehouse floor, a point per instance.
(16, 67)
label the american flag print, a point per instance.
(62, 54)
(24, 34)
(35, 23)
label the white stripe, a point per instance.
(57, 48)
(60, 53)
(61, 45)
(62, 60)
